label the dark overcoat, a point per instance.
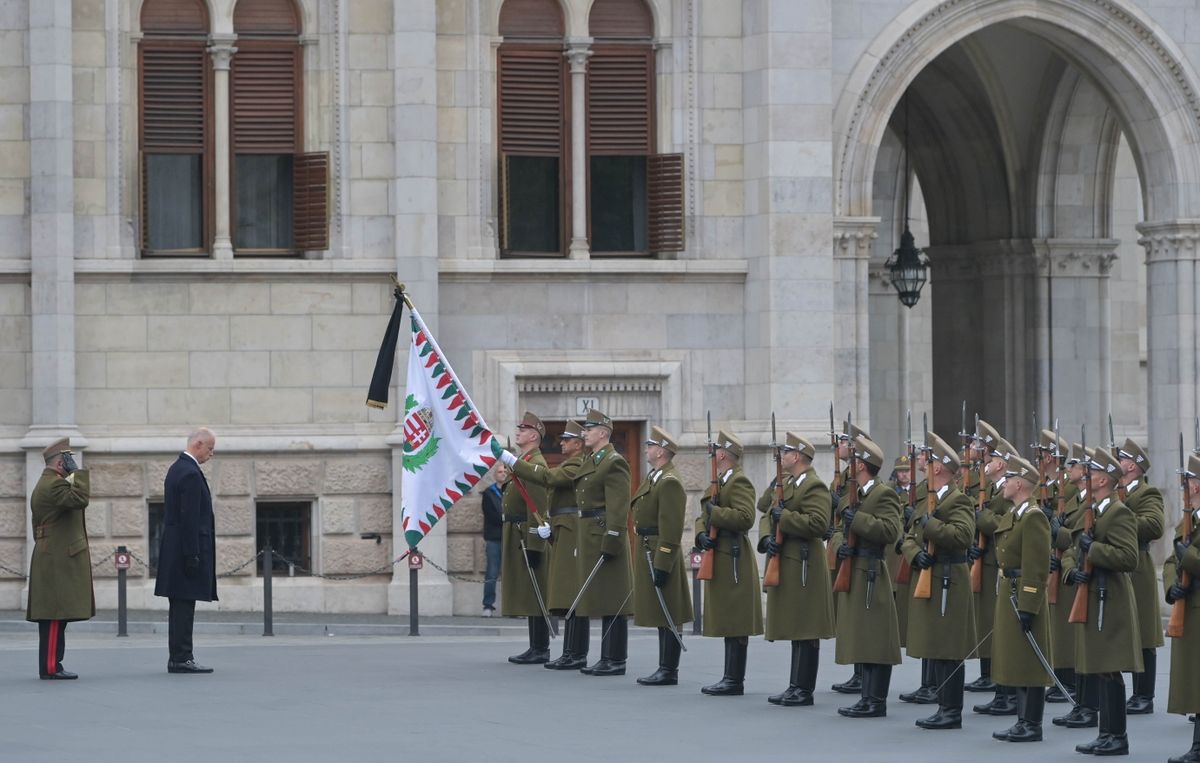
(189, 530)
(60, 570)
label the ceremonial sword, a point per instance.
(1037, 650)
(663, 603)
(584, 587)
(537, 590)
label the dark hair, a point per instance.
(872, 469)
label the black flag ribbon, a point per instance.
(381, 379)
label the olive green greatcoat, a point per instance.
(799, 609)
(564, 559)
(1146, 502)
(951, 529)
(1062, 632)
(517, 597)
(60, 570)
(1114, 554)
(1022, 543)
(731, 609)
(1184, 694)
(837, 538)
(903, 588)
(660, 502)
(995, 507)
(870, 634)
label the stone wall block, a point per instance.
(12, 518)
(233, 478)
(156, 477)
(460, 553)
(375, 514)
(234, 516)
(231, 553)
(12, 479)
(282, 477)
(96, 519)
(117, 479)
(337, 516)
(127, 519)
(347, 556)
(694, 470)
(12, 557)
(364, 475)
(466, 516)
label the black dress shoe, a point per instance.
(567, 662)
(924, 695)
(660, 677)
(983, 683)
(1025, 731)
(61, 675)
(1080, 717)
(189, 666)
(1114, 744)
(797, 698)
(531, 656)
(865, 708)
(726, 687)
(607, 667)
(1000, 705)
(1055, 696)
(942, 719)
(777, 699)
(853, 685)
(1139, 705)
(1089, 748)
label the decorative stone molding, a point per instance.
(221, 48)
(578, 52)
(592, 385)
(1075, 258)
(1171, 241)
(853, 237)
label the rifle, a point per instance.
(1052, 582)
(1043, 499)
(980, 538)
(1179, 608)
(1112, 447)
(904, 574)
(841, 583)
(924, 587)
(1079, 608)
(965, 456)
(771, 574)
(835, 486)
(710, 555)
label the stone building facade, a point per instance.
(688, 210)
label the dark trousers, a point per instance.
(52, 642)
(179, 629)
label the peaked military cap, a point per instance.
(866, 449)
(850, 431)
(988, 434)
(793, 441)
(56, 448)
(572, 429)
(596, 418)
(1022, 469)
(726, 441)
(1046, 442)
(659, 437)
(1103, 461)
(1135, 453)
(529, 421)
(943, 453)
(1077, 454)
(1003, 449)
(902, 463)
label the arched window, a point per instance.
(174, 131)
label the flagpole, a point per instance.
(449, 369)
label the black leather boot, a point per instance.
(613, 645)
(949, 697)
(926, 693)
(668, 661)
(1192, 755)
(804, 675)
(1085, 714)
(1103, 717)
(876, 681)
(1029, 722)
(777, 699)
(1116, 742)
(568, 640)
(984, 682)
(732, 684)
(1004, 703)
(538, 652)
(575, 648)
(853, 685)
(1142, 701)
(1066, 677)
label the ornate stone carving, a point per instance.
(1178, 240)
(853, 236)
(1075, 258)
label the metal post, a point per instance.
(697, 622)
(414, 628)
(267, 565)
(122, 613)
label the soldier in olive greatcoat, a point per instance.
(563, 574)
(1146, 502)
(1183, 697)
(732, 599)
(658, 507)
(800, 608)
(1022, 611)
(926, 693)
(834, 536)
(60, 569)
(1109, 642)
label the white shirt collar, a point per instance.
(654, 475)
(1100, 507)
(867, 487)
(189, 455)
(725, 477)
(942, 493)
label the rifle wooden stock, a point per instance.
(1079, 608)
(981, 541)
(904, 573)
(841, 583)
(771, 574)
(1055, 578)
(924, 587)
(1179, 608)
(709, 558)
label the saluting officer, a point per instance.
(524, 543)
(1183, 697)
(602, 492)
(659, 506)
(732, 599)
(867, 631)
(1146, 502)
(800, 608)
(941, 626)
(60, 569)
(1023, 555)
(563, 582)
(1109, 642)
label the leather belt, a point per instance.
(869, 552)
(592, 513)
(1014, 572)
(516, 518)
(947, 559)
(564, 511)
(39, 532)
(647, 531)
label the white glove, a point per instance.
(543, 531)
(508, 458)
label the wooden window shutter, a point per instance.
(531, 100)
(664, 187)
(502, 204)
(266, 103)
(310, 201)
(143, 207)
(620, 98)
(174, 96)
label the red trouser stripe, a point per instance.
(52, 648)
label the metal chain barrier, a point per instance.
(242, 566)
(453, 575)
(355, 576)
(12, 572)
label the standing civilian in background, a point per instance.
(493, 530)
(187, 562)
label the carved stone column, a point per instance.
(222, 51)
(578, 53)
(852, 240)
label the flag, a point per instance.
(448, 447)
